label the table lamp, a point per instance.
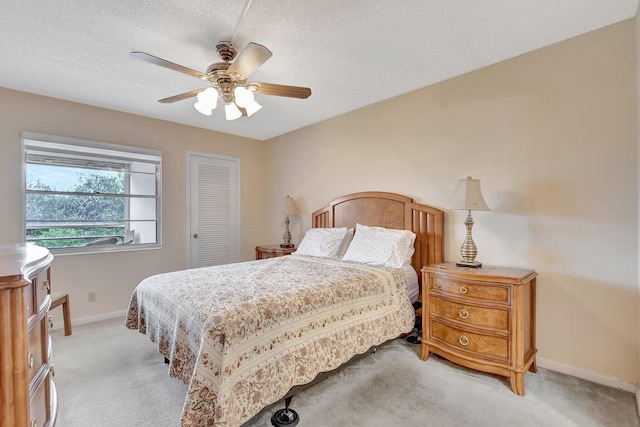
(468, 197)
(289, 208)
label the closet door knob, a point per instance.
(195, 235)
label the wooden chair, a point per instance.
(61, 298)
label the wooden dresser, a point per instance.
(481, 318)
(27, 393)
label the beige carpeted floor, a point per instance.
(109, 376)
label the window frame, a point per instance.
(135, 152)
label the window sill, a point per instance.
(103, 250)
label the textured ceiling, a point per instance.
(350, 53)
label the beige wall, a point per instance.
(552, 136)
(114, 275)
(637, 25)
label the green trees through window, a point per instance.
(61, 218)
(87, 196)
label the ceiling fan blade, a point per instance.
(281, 90)
(248, 61)
(180, 97)
(164, 63)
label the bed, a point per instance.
(241, 336)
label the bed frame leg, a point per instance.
(285, 417)
(166, 360)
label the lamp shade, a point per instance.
(468, 196)
(207, 101)
(252, 107)
(289, 207)
(208, 97)
(232, 112)
(243, 96)
(203, 108)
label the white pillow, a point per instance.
(381, 246)
(323, 242)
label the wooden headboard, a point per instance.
(389, 210)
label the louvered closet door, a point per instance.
(214, 235)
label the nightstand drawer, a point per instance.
(479, 316)
(486, 345)
(471, 290)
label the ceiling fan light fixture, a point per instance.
(243, 96)
(232, 111)
(208, 97)
(203, 108)
(252, 108)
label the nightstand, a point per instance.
(272, 251)
(481, 318)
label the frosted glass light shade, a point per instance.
(243, 96)
(208, 97)
(203, 108)
(207, 101)
(252, 108)
(231, 110)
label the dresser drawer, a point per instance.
(37, 343)
(30, 303)
(36, 293)
(42, 289)
(40, 404)
(493, 318)
(486, 346)
(471, 290)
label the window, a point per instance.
(87, 196)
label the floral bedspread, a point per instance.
(241, 335)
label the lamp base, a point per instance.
(472, 264)
(287, 245)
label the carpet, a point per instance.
(110, 376)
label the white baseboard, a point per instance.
(92, 319)
(588, 375)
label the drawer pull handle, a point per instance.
(464, 314)
(463, 290)
(34, 423)
(30, 360)
(463, 340)
(45, 285)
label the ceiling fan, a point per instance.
(228, 79)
